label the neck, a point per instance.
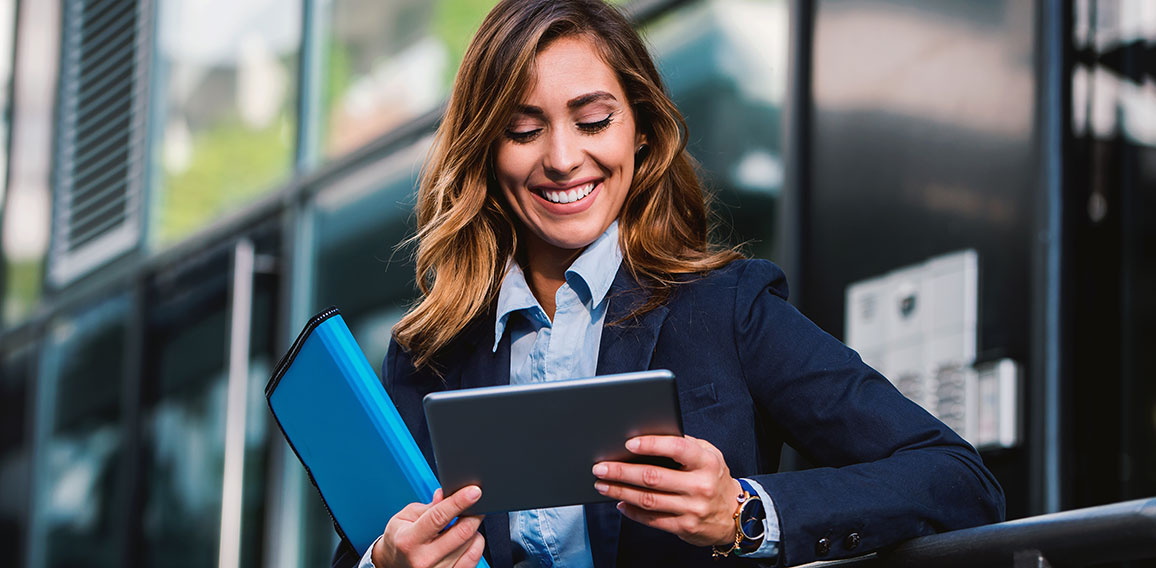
(545, 271)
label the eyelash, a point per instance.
(585, 127)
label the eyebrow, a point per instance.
(576, 102)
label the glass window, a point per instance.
(7, 43)
(357, 267)
(80, 497)
(725, 65)
(386, 62)
(26, 201)
(183, 419)
(227, 96)
(17, 375)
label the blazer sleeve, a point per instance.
(889, 471)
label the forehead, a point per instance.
(570, 67)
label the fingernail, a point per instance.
(600, 470)
(473, 492)
(632, 444)
(620, 506)
(601, 487)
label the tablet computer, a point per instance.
(533, 446)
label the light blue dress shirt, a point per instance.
(567, 348)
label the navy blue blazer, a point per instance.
(753, 373)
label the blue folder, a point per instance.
(334, 412)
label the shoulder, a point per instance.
(744, 278)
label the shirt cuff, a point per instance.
(770, 546)
(367, 558)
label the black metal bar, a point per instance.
(1081, 537)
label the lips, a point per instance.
(567, 195)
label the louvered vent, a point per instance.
(100, 145)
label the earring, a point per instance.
(640, 148)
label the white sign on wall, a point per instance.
(917, 326)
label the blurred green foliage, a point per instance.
(231, 164)
(22, 283)
(454, 23)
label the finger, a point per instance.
(411, 512)
(473, 553)
(682, 449)
(434, 519)
(450, 543)
(662, 521)
(642, 498)
(437, 496)
(644, 475)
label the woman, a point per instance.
(563, 233)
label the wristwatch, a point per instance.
(750, 523)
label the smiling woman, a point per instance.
(563, 233)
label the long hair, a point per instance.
(465, 236)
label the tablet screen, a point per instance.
(533, 446)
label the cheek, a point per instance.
(512, 165)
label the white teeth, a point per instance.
(569, 196)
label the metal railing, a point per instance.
(1081, 537)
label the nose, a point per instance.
(563, 153)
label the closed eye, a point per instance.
(523, 136)
(595, 127)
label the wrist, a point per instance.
(377, 551)
(748, 523)
(727, 537)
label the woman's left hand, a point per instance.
(696, 503)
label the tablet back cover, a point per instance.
(340, 422)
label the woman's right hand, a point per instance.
(413, 538)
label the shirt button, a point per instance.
(852, 541)
(823, 546)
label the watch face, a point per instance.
(752, 519)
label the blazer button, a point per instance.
(852, 541)
(823, 546)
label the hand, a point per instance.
(413, 538)
(696, 504)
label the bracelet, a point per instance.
(744, 499)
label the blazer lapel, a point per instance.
(626, 345)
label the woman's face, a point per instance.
(566, 160)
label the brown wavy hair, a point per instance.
(465, 236)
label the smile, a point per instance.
(571, 195)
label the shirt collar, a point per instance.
(597, 265)
(596, 268)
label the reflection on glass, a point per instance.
(388, 61)
(725, 64)
(81, 500)
(228, 78)
(27, 200)
(357, 269)
(16, 380)
(184, 425)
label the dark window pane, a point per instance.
(82, 498)
(17, 370)
(184, 419)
